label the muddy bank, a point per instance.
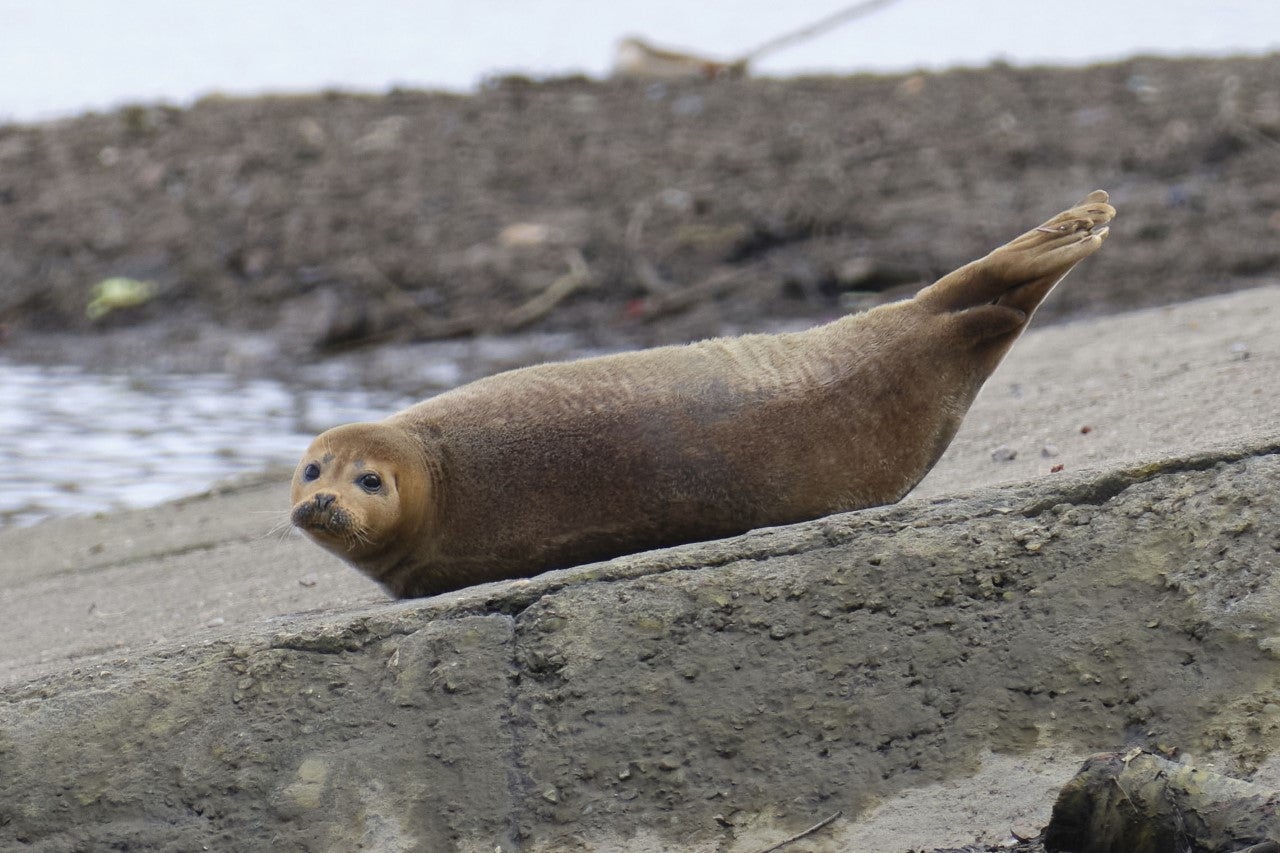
(627, 212)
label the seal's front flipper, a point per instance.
(1016, 277)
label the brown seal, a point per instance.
(561, 464)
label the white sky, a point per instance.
(59, 57)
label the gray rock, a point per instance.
(837, 663)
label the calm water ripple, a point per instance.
(73, 442)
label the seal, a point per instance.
(565, 463)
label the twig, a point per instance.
(1125, 794)
(857, 10)
(427, 327)
(1251, 133)
(423, 323)
(708, 288)
(799, 835)
(539, 306)
(654, 283)
(1229, 114)
(1261, 847)
(638, 58)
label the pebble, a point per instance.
(1004, 453)
(1024, 833)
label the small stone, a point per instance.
(216, 622)
(309, 579)
(522, 235)
(1239, 351)
(779, 632)
(1049, 450)
(551, 795)
(1024, 833)
(1004, 453)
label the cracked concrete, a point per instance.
(700, 698)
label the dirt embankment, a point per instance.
(629, 212)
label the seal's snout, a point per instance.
(316, 512)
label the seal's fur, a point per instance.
(565, 463)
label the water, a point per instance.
(73, 442)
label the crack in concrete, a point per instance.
(1113, 483)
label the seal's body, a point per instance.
(560, 464)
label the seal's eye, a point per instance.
(311, 472)
(370, 482)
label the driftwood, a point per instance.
(578, 277)
(401, 312)
(817, 28)
(639, 59)
(1137, 802)
(709, 288)
(803, 834)
(645, 271)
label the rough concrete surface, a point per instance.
(181, 676)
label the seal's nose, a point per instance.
(324, 500)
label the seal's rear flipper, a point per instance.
(1004, 288)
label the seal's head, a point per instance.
(362, 490)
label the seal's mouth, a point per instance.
(322, 517)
